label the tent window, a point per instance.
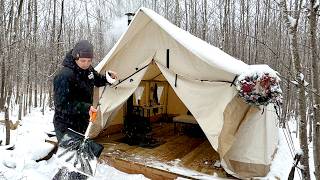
(138, 94)
(159, 93)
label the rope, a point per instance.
(286, 131)
(120, 81)
(291, 148)
(137, 70)
(104, 88)
(288, 137)
(291, 145)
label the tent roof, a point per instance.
(208, 53)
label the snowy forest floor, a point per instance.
(29, 145)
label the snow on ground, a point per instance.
(282, 163)
(181, 170)
(29, 146)
(283, 160)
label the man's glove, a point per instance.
(111, 76)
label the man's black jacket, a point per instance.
(73, 94)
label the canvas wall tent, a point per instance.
(201, 76)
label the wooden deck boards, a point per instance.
(203, 159)
(194, 153)
(175, 148)
(136, 168)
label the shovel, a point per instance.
(78, 151)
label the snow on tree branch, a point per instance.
(292, 21)
(316, 5)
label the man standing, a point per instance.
(73, 89)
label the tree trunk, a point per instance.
(52, 56)
(313, 9)
(242, 30)
(20, 107)
(256, 32)
(248, 31)
(204, 20)
(41, 93)
(7, 124)
(35, 30)
(29, 70)
(226, 27)
(18, 81)
(177, 15)
(166, 9)
(43, 103)
(87, 17)
(3, 77)
(195, 17)
(2, 60)
(186, 10)
(297, 71)
(25, 104)
(233, 38)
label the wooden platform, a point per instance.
(181, 155)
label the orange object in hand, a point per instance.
(93, 116)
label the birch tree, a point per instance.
(313, 10)
(52, 54)
(2, 61)
(291, 23)
(35, 55)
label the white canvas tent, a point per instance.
(201, 76)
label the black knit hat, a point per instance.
(83, 49)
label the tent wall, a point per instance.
(249, 139)
(204, 100)
(175, 105)
(117, 118)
